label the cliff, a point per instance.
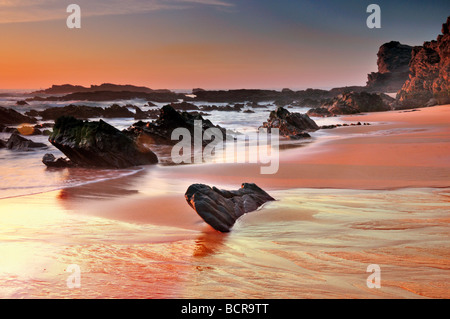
(393, 68)
(429, 73)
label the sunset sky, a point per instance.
(182, 44)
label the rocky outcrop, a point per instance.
(232, 96)
(10, 116)
(429, 73)
(98, 96)
(221, 208)
(228, 108)
(292, 125)
(353, 103)
(160, 131)
(319, 112)
(98, 144)
(19, 143)
(21, 103)
(87, 112)
(78, 111)
(50, 161)
(185, 106)
(393, 68)
(68, 88)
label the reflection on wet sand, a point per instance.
(117, 187)
(209, 242)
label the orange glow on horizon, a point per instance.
(38, 55)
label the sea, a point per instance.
(23, 173)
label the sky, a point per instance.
(210, 44)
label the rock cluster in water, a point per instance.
(352, 103)
(292, 125)
(160, 131)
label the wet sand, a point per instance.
(375, 194)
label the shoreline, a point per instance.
(379, 156)
(318, 164)
(136, 237)
(327, 163)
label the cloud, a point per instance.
(13, 11)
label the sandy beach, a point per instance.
(376, 194)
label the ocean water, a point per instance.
(23, 173)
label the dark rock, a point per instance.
(87, 112)
(98, 144)
(32, 113)
(142, 115)
(319, 112)
(227, 108)
(354, 102)
(22, 103)
(78, 111)
(328, 127)
(256, 105)
(115, 110)
(282, 98)
(196, 90)
(221, 208)
(299, 136)
(169, 119)
(393, 68)
(62, 89)
(68, 88)
(98, 96)
(292, 125)
(10, 116)
(185, 106)
(50, 161)
(347, 89)
(18, 143)
(6, 129)
(231, 96)
(284, 101)
(309, 102)
(195, 113)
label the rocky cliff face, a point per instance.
(429, 74)
(353, 103)
(393, 68)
